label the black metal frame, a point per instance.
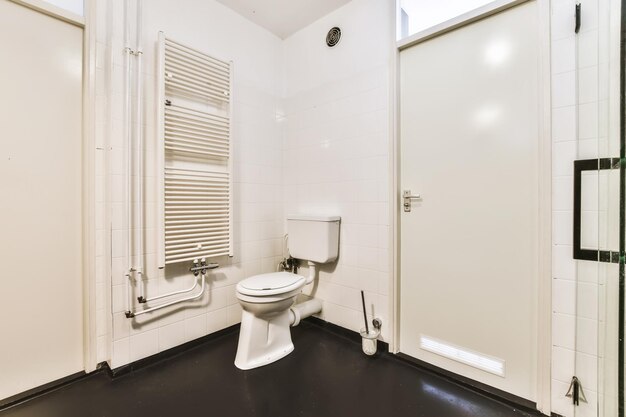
(622, 213)
(579, 167)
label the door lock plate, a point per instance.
(407, 197)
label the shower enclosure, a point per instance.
(598, 212)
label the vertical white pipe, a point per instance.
(140, 151)
(127, 134)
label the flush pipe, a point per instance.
(308, 308)
(311, 277)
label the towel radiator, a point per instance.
(194, 154)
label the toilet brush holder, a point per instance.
(369, 340)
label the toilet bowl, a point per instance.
(267, 300)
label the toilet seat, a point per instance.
(273, 283)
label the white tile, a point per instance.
(563, 263)
(563, 157)
(588, 120)
(564, 55)
(588, 85)
(118, 268)
(564, 296)
(121, 353)
(564, 89)
(563, 193)
(587, 336)
(587, 271)
(588, 148)
(118, 298)
(121, 326)
(564, 124)
(367, 257)
(587, 46)
(233, 315)
(564, 331)
(563, 364)
(171, 335)
(144, 344)
(562, 228)
(196, 327)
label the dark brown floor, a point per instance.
(326, 376)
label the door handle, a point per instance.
(581, 165)
(407, 197)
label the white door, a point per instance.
(469, 148)
(41, 314)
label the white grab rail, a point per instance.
(131, 314)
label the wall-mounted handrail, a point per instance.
(131, 314)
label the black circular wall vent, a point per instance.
(333, 37)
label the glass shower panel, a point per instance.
(610, 118)
(597, 212)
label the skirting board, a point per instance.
(43, 389)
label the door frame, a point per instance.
(544, 243)
(88, 255)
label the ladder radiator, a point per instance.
(194, 154)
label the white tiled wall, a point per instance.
(311, 135)
(336, 151)
(577, 133)
(215, 29)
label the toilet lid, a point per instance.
(270, 284)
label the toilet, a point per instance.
(268, 299)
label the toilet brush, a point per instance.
(367, 328)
